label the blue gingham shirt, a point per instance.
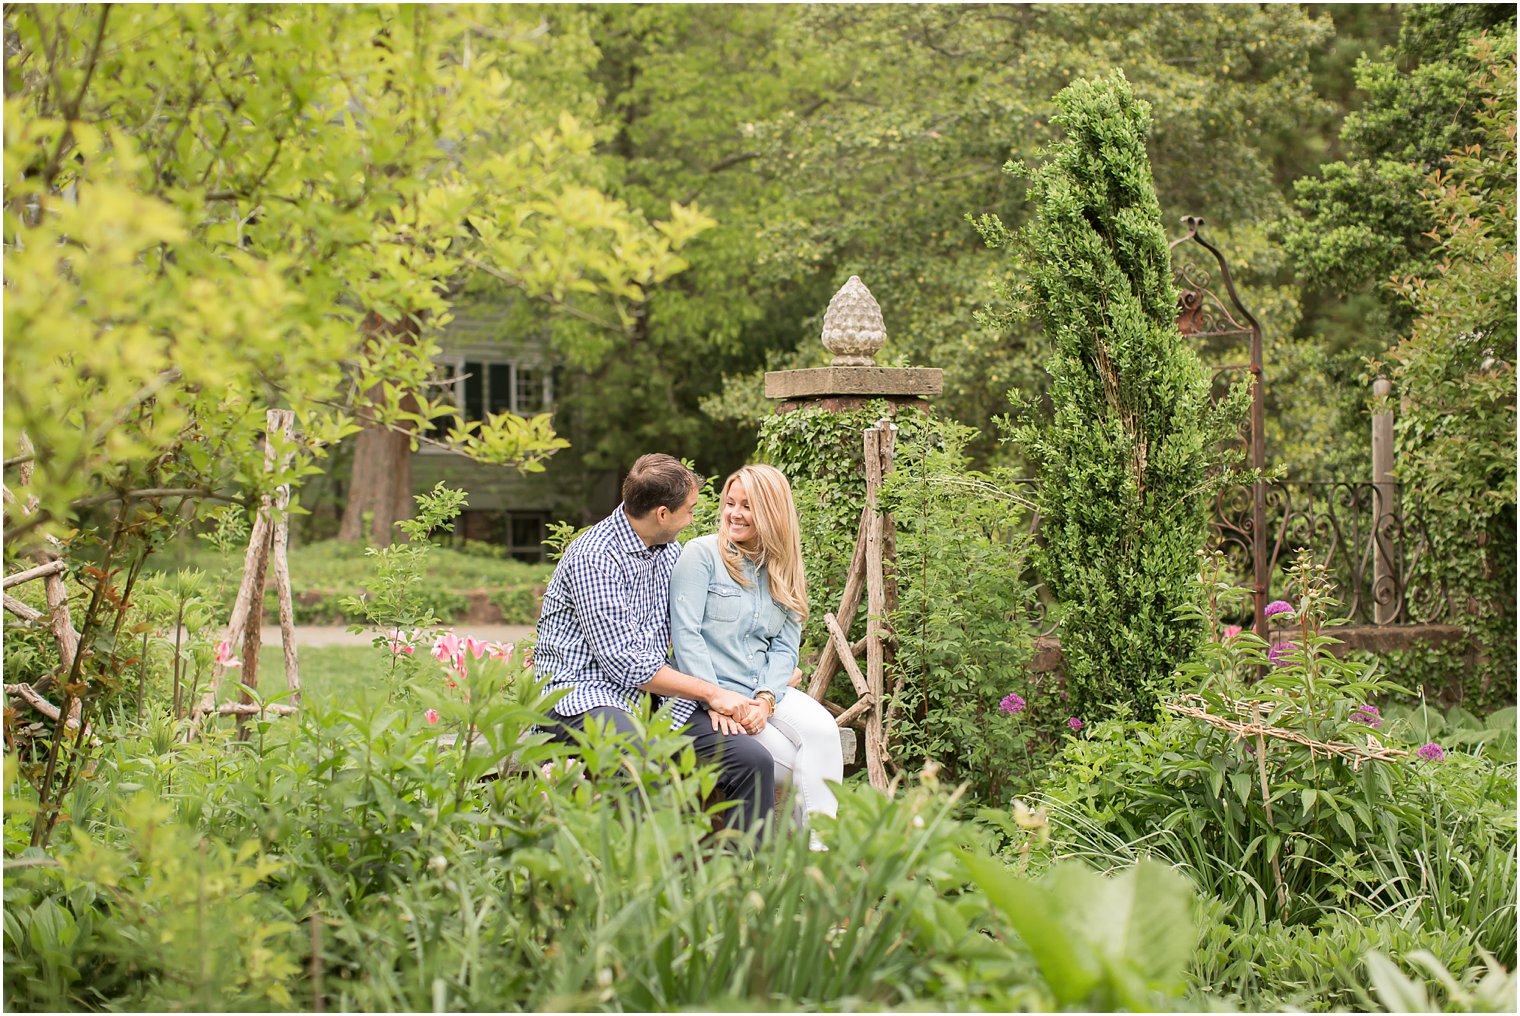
(605, 626)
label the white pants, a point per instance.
(804, 740)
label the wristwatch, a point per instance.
(769, 696)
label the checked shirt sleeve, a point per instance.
(602, 606)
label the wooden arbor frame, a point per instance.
(875, 544)
(267, 545)
(50, 570)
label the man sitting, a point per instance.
(605, 632)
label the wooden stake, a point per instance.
(853, 713)
(52, 567)
(253, 639)
(829, 662)
(836, 639)
(889, 561)
(53, 587)
(282, 421)
(875, 609)
(243, 627)
(236, 624)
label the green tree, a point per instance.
(1360, 219)
(1454, 374)
(210, 210)
(1123, 461)
(913, 111)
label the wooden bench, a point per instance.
(849, 746)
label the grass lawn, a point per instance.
(330, 565)
(323, 575)
(335, 675)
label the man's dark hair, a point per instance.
(657, 480)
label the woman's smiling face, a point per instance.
(738, 516)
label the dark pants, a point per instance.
(746, 770)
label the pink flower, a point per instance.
(476, 647)
(448, 649)
(224, 655)
(1012, 704)
(1074, 723)
(1230, 631)
(431, 716)
(499, 650)
(1279, 607)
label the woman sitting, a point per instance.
(737, 602)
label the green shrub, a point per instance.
(518, 604)
(1428, 843)
(1125, 457)
(166, 919)
(1320, 966)
(557, 891)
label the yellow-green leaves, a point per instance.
(202, 209)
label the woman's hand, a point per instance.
(726, 724)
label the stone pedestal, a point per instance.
(866, 382)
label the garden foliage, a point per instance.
(1311, 858)
(1454, 375)
(214, 210)
(962, 626)
(345, 860)
(1124, 459)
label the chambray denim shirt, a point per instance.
(605, 626)
(736, 637)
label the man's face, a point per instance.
(672, 521)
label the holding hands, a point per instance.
(732, 713)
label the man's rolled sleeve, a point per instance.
(601, 605)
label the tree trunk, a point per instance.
(380, 488)
(379, 494)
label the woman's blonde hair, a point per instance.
(780, 538)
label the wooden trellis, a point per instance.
(1250, 721)
(50, 569)
(874, 545)
(268, 545)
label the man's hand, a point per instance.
(732, 713)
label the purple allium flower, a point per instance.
(1433, 752)
(1074, 723)
(1278, 653)
(1279, 607)
(1368, 715)
(1011, 705)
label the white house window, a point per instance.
(482, 387)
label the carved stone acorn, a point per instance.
(852, 327)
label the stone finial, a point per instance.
(852, 327)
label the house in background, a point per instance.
(491, 365)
